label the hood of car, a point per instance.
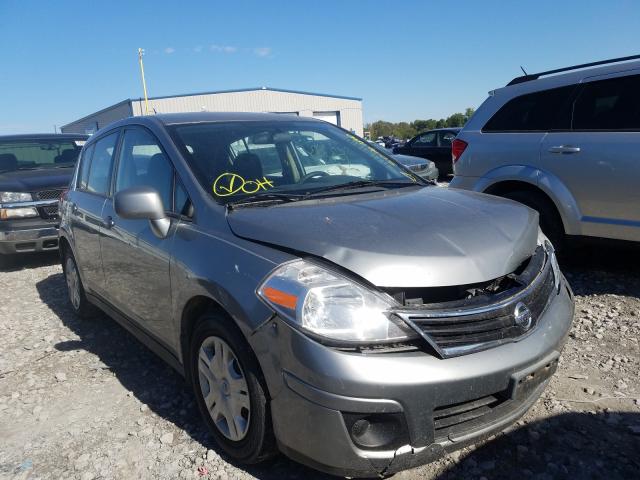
(411, 161)
(35, 180)
(410, 237)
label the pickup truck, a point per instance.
(34, 171)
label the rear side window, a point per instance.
(534, 112)
(101, 165)
(85, 163)
(612, 104)
(446, 138)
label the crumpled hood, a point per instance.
(402, 238)
(35, 180)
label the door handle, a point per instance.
(564, 149)
(108, 222)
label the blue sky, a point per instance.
(407, 59)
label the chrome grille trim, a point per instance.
(490, 324)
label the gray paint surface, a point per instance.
(403, 238)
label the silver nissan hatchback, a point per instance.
(322, 300)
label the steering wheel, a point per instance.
(313, 175)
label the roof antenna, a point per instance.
(523, 70)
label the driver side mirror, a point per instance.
(143, 203)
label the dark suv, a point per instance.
(278, 263)
(34, 171)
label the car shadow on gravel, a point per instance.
(603, 267)
(22, 261)
(147, 377)
(576, 445)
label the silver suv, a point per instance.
(565, 144)
(280, 265)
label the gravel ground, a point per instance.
(85, 400)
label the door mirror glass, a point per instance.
(143, 203)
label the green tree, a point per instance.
(381, 128)
(404, 130)
(456, 120)
(469, 112)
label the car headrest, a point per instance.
(8, 161)
(248, 166)
(67, 156)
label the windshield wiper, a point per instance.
(363, 183)
(265, 197)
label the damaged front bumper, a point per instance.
(426, 406)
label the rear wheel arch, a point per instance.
(515, 189)
(501, 188)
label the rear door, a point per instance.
(599, 158)
(136, 262)
(513, 135)
(86, 203)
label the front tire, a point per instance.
(230, 390)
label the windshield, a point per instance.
(243, 159)
(33, 154)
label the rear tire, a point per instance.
(231, 395)
(77, 297)
(550, 221)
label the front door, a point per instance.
(135, 260)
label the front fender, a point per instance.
(224, 269)
(551, 185)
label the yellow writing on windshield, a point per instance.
(231, 183)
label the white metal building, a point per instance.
(345, 112)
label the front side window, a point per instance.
(101, 165)
(40, 153)
(143, 163)
(612, 104)
(534, 112)
(239, 159)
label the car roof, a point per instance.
(568, 78)
(444, 129)
(195, 117)
(44, 136)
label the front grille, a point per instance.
(450, 416)
(49, 194)
(472, 324)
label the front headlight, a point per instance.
(24, 212)
(328, 304)
(14, 197)
(551, 253)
